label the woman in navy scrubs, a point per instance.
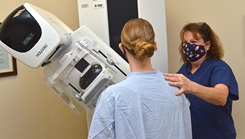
(207, 81)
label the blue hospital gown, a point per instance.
(143, 106)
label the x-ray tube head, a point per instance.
(81, 64)
(33, 35)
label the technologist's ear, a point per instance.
(207, 46)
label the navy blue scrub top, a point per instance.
(211, 121)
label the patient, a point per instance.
(143, 105)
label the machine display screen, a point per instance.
(28, 39)
(20, 31)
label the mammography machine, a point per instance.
(78, 65)
(113, 14)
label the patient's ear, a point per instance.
(121, 48)
(155, 45)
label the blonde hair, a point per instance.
(138, 38)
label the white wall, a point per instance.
(227, 18)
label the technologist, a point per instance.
(144, 104)
(207, 81)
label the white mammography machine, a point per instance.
(78, 65)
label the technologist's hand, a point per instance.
(179, 80)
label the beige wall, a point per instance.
(227, 18)
(29, 109)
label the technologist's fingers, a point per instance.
(168, 74)
(181, 91)
(175, 80)
(176, 84)
(171, 77)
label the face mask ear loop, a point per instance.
(205, 43)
